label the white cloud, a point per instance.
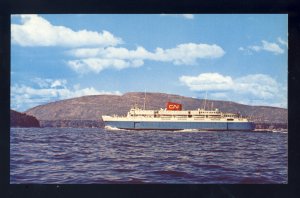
(258, 85)
(255, 48)
(43, 83)
(96, 65)
(207, 81)
(282, 42)
(58, 83)
(272, 47)
(111, 53)
(255, 89)
(188, 53)
(97, 59)
(24, 97)
(265, 46)
(34, 30)
(185, 16)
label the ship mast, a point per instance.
(205, 100)
(145, 100)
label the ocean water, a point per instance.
(100, 156)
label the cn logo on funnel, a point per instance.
(173, 106)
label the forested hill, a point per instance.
(22, 120)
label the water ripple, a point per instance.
(85, 156)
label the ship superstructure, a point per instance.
(174, 118)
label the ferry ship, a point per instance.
(173, 117)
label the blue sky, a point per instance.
(233, 57)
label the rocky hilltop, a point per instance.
(92, 107)
(22, 120)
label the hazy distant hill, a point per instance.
(22, 120)
(92, 107)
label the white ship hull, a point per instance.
(177, 124)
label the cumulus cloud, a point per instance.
(185, 16)
(207, 81)
(256, 89)
(111, 52)
(97, 59)
(96, 51)
(258, 85)
(265, 46)
(34, 30)
(96, 64)
(24, 96)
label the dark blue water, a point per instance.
(84, 156)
